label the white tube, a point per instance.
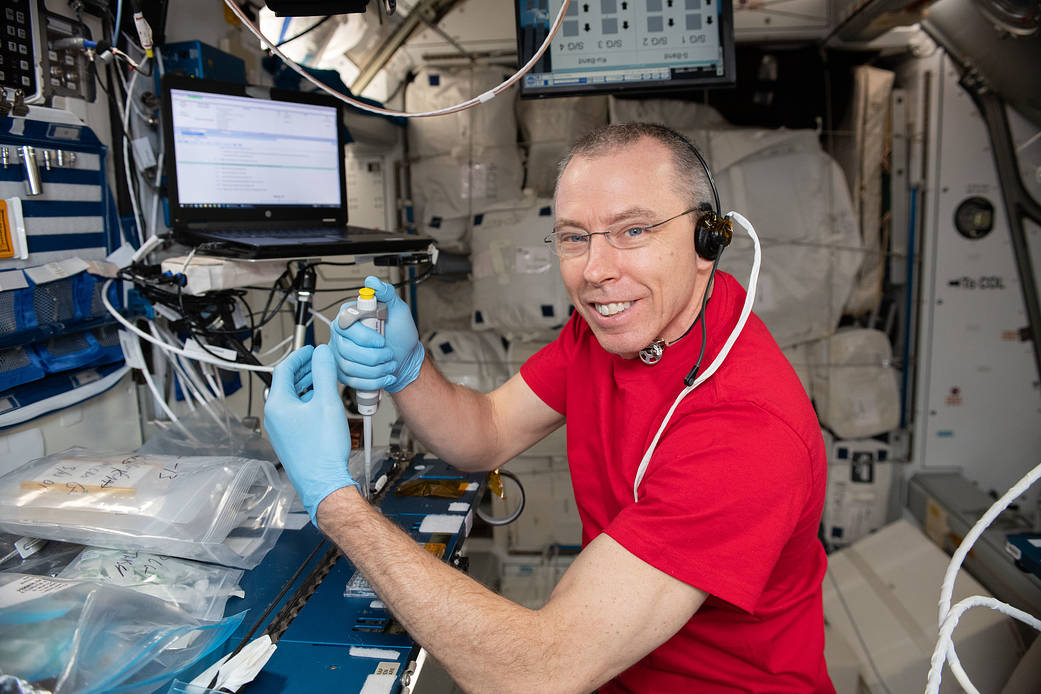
(945, 643)
(951, 575)
(138, 220)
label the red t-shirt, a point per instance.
(730, 503)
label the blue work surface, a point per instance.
(314, 652)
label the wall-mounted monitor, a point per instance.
(626, 46)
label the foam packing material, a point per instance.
(517, 287)
(491, 124)
(854, 384)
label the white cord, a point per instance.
(945, 641)
(951, 575)
(160, 400)
(321, 318)
(223, 363)
(487, 96)
(138, 219)
(753, 280)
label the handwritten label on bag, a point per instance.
(75, 477)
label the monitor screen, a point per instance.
(240, 152)
(626, 46)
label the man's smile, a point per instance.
(612, 308)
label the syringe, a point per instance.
(372, 314)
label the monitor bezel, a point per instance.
(182, 216)
(727, 79)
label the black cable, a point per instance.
(689, 380)
(422, 277)
(306, 31)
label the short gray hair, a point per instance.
(692, 180)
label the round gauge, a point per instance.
(974, 218)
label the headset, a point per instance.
(712, 234)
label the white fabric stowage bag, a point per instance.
(811, 248)
(516, 276)
(854, 383)
(473, 359)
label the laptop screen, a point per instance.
(238, 157)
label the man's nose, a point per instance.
(601, 260)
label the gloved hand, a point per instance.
(366, 360)
(309, 432)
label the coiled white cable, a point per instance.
(480, 99)
(945, 645)
(746, 310)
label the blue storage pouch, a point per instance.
(19, 365)
(64, 352)
(52, 302)
(16, 310)
(107, 338)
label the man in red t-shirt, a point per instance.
(700, 570)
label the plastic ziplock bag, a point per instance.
(201, 590)
(45, 558)
(87, 638)
(217, 509)
(203, 433)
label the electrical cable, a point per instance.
(306, 31)
(486, 96)
(119, 18)
(160, 400)
(223, 363)
(138, 220)
(505, 520)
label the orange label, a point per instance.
(6, 233)
(436, 548)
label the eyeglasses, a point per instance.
(570, 244)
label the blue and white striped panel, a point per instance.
(68, 219)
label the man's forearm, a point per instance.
(486, 642)
(456, 423)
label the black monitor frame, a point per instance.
(526, 49)
(183, 215)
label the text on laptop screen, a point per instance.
(234, 151)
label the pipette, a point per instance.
(372, 314)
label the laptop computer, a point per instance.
(258, 173)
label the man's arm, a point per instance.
(608, 611)
(472, 430)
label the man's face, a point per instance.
(634, 296)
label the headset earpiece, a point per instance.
(711, 235)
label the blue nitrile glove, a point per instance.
(309, 432)
(366, 360)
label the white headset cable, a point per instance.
(487, 96)
(746, 310)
